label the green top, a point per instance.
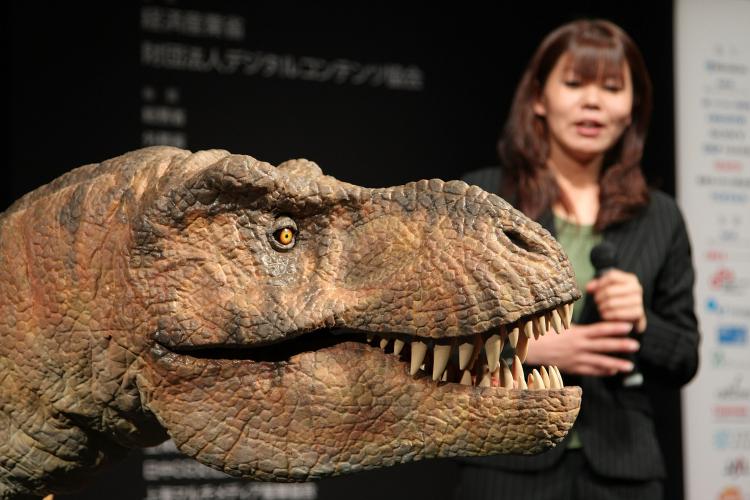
(577, 240)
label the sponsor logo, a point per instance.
(735, 390)
(731, 411)
(728, 166)
(721, 359)
(732, 439)
(716, 255)
(729, 197)
(730, 493)
(725, 280)
(732, 335)
(737, 467)
(713, 306)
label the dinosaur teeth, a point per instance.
(517, 371)
(528, 329)
(545, 376)
(535, 381)
(513, 337)
(492, 348)
(465, 351)
(554, 382)
(398, 346)
(566, 314)
(418, 352)
(433, 356)
(522, 348)
(556, 321)
(441, 354)
(506, 377)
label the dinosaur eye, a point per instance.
(283, 233)
(285, 236)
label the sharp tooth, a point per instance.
(559, 377)
(506, 377)
(383, 343)
(548, 317)
(492, 349)
(569, 312)
(556, 323)
(485, 382)
(538, 382)
(554, 383)
(444, 378)
(563, 313)
(441, 354)
(528, 329)
(545, 376)
(513, 337)
(541, 325)
(517, 370)
(465, 351)
(466, 378)
(398, 345)
(530, 382)
(522, 348)
(370, 337)
(418, 351)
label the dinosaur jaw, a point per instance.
(344, 407)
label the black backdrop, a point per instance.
(377, 97)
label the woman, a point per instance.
(570, 156)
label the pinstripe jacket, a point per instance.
(615, 423)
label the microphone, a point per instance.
(604, 258)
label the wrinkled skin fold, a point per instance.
(150, 296)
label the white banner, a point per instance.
(712, 57)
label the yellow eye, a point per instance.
(285, 236)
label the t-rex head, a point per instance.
(278, 323)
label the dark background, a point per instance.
(76, 97)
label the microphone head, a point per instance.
(604, 256)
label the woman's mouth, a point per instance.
(589, 128)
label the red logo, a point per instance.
(723, 278)
(716, 255)
(731, 411)
(727, 166)
(730, 493)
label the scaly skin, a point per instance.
(148, 297)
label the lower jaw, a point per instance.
(342, 402)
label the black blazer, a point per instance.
(615, 422)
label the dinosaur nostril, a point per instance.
(519, 240)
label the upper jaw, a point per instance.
(477, 359)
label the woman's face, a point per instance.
(584, 120)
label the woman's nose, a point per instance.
(591, 96)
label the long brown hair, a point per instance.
(598, 49)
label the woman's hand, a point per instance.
(619, 297)
(586, 349)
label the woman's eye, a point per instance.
(573, 83)
(612, 86)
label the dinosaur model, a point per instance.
(276, 323)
